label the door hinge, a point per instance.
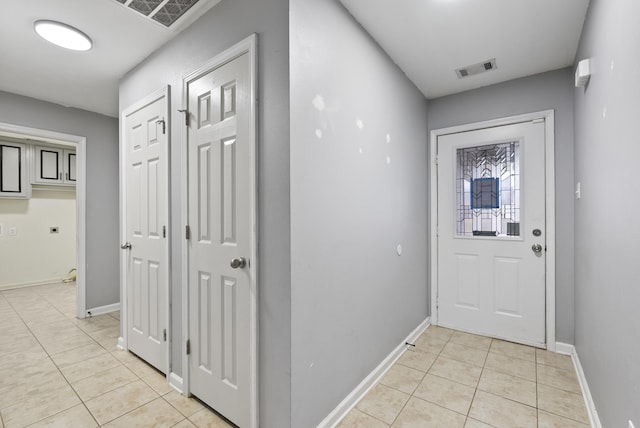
(186, 116)
(188, 347)
(164, 334)
(164, 125)
(436, 159)
(187, 232)
(164, 231)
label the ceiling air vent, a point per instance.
(478, 68)
(165, 12)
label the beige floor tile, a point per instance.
(356, 419)
(472, 423)
(157, 413)
(158, 382)
(39, 406)
(96, 323)
(53, 346)
(16, 393)
(507, 386)
(429, 343)
(421, 414)
(137, 365)
(185, 423)
(117, 402)
(100, 335)
(207, 419)
(511, 366)
(73, 356)
(562, 403)
(402, 378)
(90, 367)
(446, 393)
(561, 379)
(513, 350)
(501, 412)
(552, 359)
(186, 406)
(383, 403)
(457, 371)
(471, 340)
(548, 420)
(465, 354)
(417, 360)
(101, 383)
(439, 332)
(77, 416)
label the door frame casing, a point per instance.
(550, 209)
(81, 197)
(250, 47)
(164, 92)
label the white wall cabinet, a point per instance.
(13, 171)
(54, 166)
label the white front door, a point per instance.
(219, 209)
(146, 201)
(491, 232)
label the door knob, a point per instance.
(238, 262)
(537, 248)
(126, 246)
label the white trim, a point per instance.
(176, 382)
(100, 310)
(81, 195)
(550, 262)
(121, 343)
(30, 284)
(164, 92)
(568, 349)
(371, 380)
(248, 45)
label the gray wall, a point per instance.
(353, 298)
(607, 250)
(226, 24)
(101, 132)
(544, 91)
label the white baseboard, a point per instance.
(100, 310)
(30, 284)
(568, 349)
(369, 382)
(175, 382)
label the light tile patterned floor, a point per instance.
(59, 371)
(453, 379)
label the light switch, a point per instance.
(13, 231)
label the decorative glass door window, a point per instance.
(488, 190)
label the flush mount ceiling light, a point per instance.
(62, 35)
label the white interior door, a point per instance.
(220, 206)
(146, 188)
(491, 232)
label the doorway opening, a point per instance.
(66, 145)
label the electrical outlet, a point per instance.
(13, 231)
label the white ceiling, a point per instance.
(429, 39)
(122, 38)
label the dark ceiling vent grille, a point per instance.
(145, 7)
(172, 10)
(165, 12)
(478, 68)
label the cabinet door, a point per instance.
(13, 171)
(48, 165)
(69, 166)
